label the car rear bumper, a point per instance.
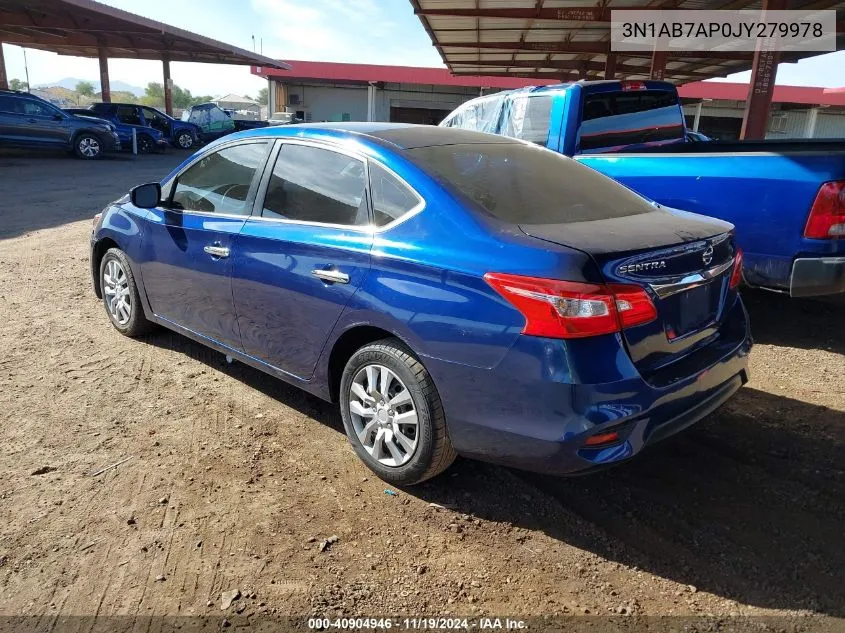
(814, 276)
(536, 409)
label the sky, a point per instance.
(358, 31)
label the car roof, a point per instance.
(399, 135)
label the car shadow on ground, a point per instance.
(748, 505)
(778, 319)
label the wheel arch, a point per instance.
(99, 250)
(346, 345)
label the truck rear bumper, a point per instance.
(814, 276)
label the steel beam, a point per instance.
(104, 76)
(4, 78)
(764, 69)
(168, 87)
(610, 67)
(658, 65)
(569, 14)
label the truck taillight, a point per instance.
(827, 216)
(568, 309)
(736, 274)
(633, 85)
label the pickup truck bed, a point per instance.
(785, 198)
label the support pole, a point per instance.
(697, 118)
(271, 98)
(4, 78)
(610, 67)
(168, 87)
(764, 68)
(104, 76)
(658, 65)
(812, 117)
(371, 102)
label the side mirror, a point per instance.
(59, 117)
(146, 196)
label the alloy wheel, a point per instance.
(116, 290)
(383, 415)
(186, 141)
(89, 147)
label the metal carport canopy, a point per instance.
(84, 28)
(570, 39)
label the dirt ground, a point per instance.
(233, 480)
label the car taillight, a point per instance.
(568, 309)
(736, 274)
(97, 217)
(827, 216)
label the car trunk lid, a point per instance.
(683, 260)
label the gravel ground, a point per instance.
(234, 480)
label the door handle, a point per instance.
(331, 276)
(216, 251)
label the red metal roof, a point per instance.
(783, 94)
(363, 73)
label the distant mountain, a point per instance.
(116, 86)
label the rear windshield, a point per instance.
(612, 120)
(524, 184)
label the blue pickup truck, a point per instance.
(786, 198)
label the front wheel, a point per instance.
(120, 294)
(392, 414)
(87, 146)
(185, 140)
(145, 144)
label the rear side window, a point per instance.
(615, 119)
(524, 184)
(528, 118)
(392, 198)
(313, 184)
(128, 115)
(481, 115)
(220, 182)
(9, 104)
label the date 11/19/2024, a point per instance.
(417, 624)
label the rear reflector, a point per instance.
(568, 309)
(602, 438)
(736, 275)
(827, 216)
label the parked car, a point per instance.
(455, 292)
(283, 118)
(786, 198)
(148, 140)
(32, 122)
(697, 137)
(214, 122)
(180, 134)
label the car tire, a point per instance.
(145, 144)
(88, 146)
(410, 386)
(116, 278)
(185, 140)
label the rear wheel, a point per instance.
(87, 146)
(120, 294)
(185, 140)
(145, 144)
(392, 414)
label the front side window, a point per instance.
(155, 119)
(221, 181)
(313, 184)
(392, 198)
(9, 104)
(529, 118)
(33, 108)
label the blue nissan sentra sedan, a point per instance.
(455, 292)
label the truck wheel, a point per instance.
(88, 146)
(185, 140)
(392, 414)
(120, 295)
(145, 144)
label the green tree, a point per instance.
(85, 89)
(262, 97)
(17, 84)
(182, 98)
